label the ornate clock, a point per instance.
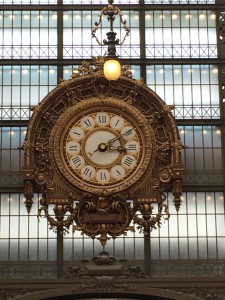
(102, 145)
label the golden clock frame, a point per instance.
(146, 136)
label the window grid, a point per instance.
(193, 90)
(192, 239)
(180, 34)
(23, 237)
(78, 42)
(18, 2)
(11, 157)
(24, 86)
(203, 155)
(179, 2)
(28, 34)
(195, 233)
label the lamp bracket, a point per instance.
(111, 11)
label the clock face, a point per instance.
(102, 145)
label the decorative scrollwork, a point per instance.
(111, 10)
(104, 258)
(100, 216)
(148, 219)
(59, 221)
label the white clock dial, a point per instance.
(97, 150)
(102, 148)
(103, 145)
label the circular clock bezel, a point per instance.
(109, 105)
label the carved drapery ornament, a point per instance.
(103, 215)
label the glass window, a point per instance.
(28, 35)
(192, 89)
(11, 157)
(77, 35)
(195, 36)
(24, 86)
(202, 155)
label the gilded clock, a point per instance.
(102, 144)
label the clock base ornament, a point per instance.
(103, 216)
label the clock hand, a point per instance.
(102, 147)
(117, 137)
(119, 148)
(91, 153)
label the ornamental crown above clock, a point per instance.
(90, 136)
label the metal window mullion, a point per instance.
(197, 227)
(207, 238)
(209, 84)
(39, 33)
(178, 236)
(212, 139)
(194, 148)
(188, 236)
(60, 45)
(216, 231)
(142, 32)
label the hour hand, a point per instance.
(118, 148)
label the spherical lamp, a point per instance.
(112, 69)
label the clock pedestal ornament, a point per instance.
(104, 154)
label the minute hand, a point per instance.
(117, 137)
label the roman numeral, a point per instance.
(128, 161)
(87, 122)
(102, 119)
(76, 161)
(128, 132)
(77, 133)
(87, 172)
(73, 147)
(117, 122)
(118, 172)
(132, 147)
(103, 176)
